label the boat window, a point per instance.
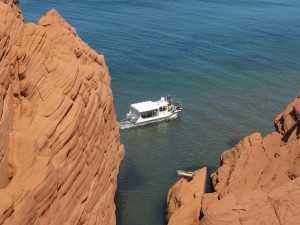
(163, 108)
(149, 114)
(143, 114)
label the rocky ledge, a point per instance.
(60, 145)
(258, 181)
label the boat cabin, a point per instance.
(148, 109)
(149, 112)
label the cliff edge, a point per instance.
(60, 145)
(259, 179)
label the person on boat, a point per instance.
(168, 98)
(170, 107)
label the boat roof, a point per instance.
(148, 105)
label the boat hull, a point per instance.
(171, 116)
(127, 124)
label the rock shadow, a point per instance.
(130, 178)
(233, 141)
(210, 170)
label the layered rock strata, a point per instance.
(60, 146)
(259, 179)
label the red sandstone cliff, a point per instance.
(184, 198)
(258, 181)
(59, 140)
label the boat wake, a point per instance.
(126, 125)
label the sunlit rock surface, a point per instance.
(258, 181)
(60, 145)
(184, 199)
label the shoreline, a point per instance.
(257, 182)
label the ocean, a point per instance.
(235, 64)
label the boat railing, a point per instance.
(177, 103)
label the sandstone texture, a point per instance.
(60, 145)
(184, 199)
(259, 179)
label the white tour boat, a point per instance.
(151, 112)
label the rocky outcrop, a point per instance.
(184, 199)
(59, 140)
(259, 179)
(280, 206)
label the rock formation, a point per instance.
(259, 179)
(184, 199)
(59, 140)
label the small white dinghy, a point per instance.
(186, 174)
(152, 112)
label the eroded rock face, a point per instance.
(259, 179)
(59, 140)
(258, 182)
(184, 199)
(280, 206)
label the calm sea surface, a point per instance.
(235, 64)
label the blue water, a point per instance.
(235, 64)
